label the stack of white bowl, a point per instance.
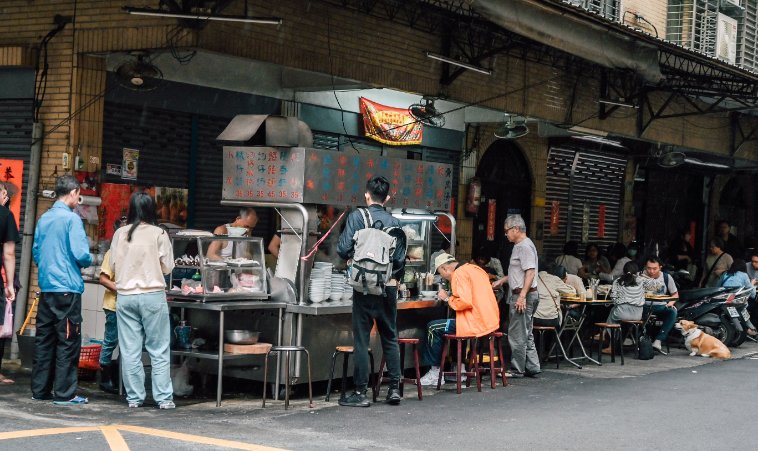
(338, 286)
(320, 285)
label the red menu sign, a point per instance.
(491, 219)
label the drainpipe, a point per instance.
(30, 219)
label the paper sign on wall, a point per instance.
(129, 167)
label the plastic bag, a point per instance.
(6, 330)
(180, 380)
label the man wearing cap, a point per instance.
(523, 300)
(476, 311)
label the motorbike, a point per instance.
(721, 312)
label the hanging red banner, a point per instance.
(693, 228)
(491, 219)
(601, 221)
(555, 217)
(388, 125)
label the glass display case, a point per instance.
(417, 227)
(218, 268)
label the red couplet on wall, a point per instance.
(491, 219)
(601, 221)
(555, 217)
(693, 228)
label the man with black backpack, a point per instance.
(661, 283)
(374, 245)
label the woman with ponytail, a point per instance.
(628, 294)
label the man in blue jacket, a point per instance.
(60, 251)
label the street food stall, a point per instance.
(312, 191)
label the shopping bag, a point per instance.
(6, 330)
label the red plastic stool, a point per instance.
(380, 379)
(472, 360)
(494, 371)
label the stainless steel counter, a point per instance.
(340, 307)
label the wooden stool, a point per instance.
(633, 329)
(380, 379)
(492, 370)
(541, 330)
(615, 331)
(287, 350)
(346, 352)
(473, 359)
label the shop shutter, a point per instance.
(162, 137)
(598, 179)
(16, 124)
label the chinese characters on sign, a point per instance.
(129, 168)
(389, 125)
(491, 219)
(332, 178)
(263, 174)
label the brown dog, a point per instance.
(699, 342)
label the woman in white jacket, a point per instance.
(141, 254)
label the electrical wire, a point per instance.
(334, 87)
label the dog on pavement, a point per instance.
(699, 342)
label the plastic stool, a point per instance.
(287, 350)
(473, 359)
(380, 379)
(346, 352)
(615, 332)
(494, 371)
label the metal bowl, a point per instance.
(241, 337)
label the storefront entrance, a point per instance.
(507, 180)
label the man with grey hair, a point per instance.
(523, 300)
(247, 219)
(60, 250)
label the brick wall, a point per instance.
(654, 11)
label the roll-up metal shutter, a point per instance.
(597, 179)
(162, 137)
(15, 142)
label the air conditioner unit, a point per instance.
(726, 39)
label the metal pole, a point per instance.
(30, 218)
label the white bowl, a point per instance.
(428, 294)
(236, 231)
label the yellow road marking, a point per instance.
(114, 438)
(194, 438)
(40, 432)
(117, 442)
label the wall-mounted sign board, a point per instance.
(315, 176)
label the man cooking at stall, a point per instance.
(247, 219)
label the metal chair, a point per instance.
(287, 350)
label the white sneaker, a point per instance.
(431, 377)
(451, 376)
(657, 344)
(628, 342)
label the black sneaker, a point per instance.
(44, 397)
(356, 399)
(532, 374)
(393, 396)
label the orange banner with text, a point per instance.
(389, 125)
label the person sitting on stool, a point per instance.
(476, 311)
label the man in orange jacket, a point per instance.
(476, 311)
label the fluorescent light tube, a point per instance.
(462, 64)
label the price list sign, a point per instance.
(265, 174)
(338, 179)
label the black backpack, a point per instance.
(646, 351)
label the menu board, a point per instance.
(265, 174)
(315, 176)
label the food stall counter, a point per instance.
(335, 308)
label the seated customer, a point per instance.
(594, 263)
(476, 311)
(570, 258)
(550, 287)
(628, 294)
(736, 276)
(659, 282)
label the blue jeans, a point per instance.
(110, 337)
(435, 339)
(666, 314)
(144, 318)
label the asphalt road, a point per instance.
(704, 407)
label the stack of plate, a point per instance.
(320, 286)
(338, 286)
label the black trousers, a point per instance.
(383, 310)
(57, 346)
